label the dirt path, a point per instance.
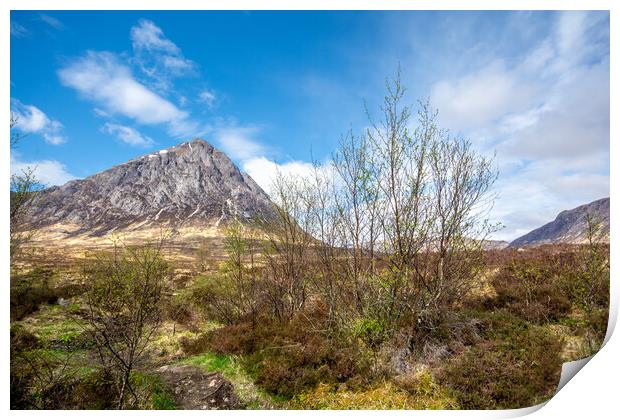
(193, 389)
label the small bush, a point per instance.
(91, 392)
(124, 308)
(30, 290)
(178, 310)
(22, 339)
(587, 282)
(47, 379)
(532, 289)
(592, 328)
(371, 331)
(516, 365)
(290, 370)
(286, 358)
(597, 321)
(22, 375)
(212, 295)
(195, 346)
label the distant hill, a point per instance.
(191, 187)
(568, 227)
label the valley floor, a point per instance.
(504, 353)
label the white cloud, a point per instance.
(52, 21)
(31, 119)
(177, 65)
(479, 99)
(534, 195)
(54, 139)
(149, 36)
(239, 142)
(100, 112)
(569, 29)
(264, 171)
(128, 135)
(47, 172)
(18, 30)
(157, 56)
(108, 81)
(184, 128)
(547, 117)
(575, 122)
(102, 78)
(207, 96)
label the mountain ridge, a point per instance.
(191, 184)
(569, 226)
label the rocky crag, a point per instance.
(190, 186)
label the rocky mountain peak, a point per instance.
(192, 183)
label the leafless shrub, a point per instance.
(123, 308)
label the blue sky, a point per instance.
(95, 89)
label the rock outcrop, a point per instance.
(194, 389)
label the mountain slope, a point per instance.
(189, 185)
(568, 227)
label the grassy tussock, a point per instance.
(413, 393)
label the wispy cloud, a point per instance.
(31, 119)
(46, 172)
(17, 30)
(239, 142)
(102, 78)
(52, 21)
(207, 96)
(157, 56)
(148, 36)
(479, 99)
(128, 135)
(243, 145)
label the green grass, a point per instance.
(76, 360)
(64, 331)
(382, 396)
(51, 323)
(160, 398)
(48, 354)
(214, 362)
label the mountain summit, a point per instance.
(190, 185)
(569, 226)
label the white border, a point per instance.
(592, 394)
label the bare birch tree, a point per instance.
(24, 189)
(124, 310)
